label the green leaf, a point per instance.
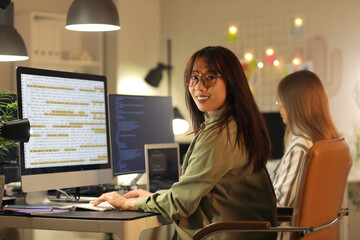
(7, 110)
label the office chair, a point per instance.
(318, 205)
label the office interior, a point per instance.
(327, 41)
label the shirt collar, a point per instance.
(212, 118)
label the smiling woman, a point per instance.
(223, 172)
(207, 89)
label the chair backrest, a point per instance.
(321, 190)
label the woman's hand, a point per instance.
(138, 193)
(119, 202)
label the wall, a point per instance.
(195, 24)
(138, 46)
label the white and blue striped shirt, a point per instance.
(286, 174)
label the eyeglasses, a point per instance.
(207, 79)
(278, 102)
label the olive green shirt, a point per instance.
(215, 186)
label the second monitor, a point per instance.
(136, 121)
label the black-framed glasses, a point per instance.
(207, 79)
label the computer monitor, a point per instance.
(136, 121)
(69, 141)
(276, 129)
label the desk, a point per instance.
(126, 225)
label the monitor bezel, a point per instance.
(63, 171)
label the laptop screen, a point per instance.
(162, 165)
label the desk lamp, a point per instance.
(17, 130)
(180, 125)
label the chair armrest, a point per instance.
(224, 226)
(284, 214)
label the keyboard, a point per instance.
(56, 200)
(102, 207)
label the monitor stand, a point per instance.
(37, 198)
(41, 199)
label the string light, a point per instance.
(296, 61)
(232, 30)
(298, 22)
(248, 56)
(269, 51)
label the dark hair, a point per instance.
(239, 105)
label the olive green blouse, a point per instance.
(215, 186)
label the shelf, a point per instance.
(51, 46)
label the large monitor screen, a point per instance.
(136, 121)
(69, 141)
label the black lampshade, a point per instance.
(4, 3)
(155, 75)
(93, 16)
(12, 46)
(17, 130)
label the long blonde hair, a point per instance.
(306, 104)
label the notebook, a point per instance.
(162, 162)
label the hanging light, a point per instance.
(12, 46)
(92, 16)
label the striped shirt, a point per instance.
(286, 174)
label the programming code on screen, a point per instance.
(136, 121)
(68, 122)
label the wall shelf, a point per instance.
(51, 46)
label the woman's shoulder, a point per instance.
(302, 141)
(218, 136)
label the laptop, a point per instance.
(162, 162)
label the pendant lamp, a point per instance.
(92, 16)
(12, 46)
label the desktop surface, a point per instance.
(91, 215)
(126, 225)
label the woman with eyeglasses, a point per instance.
(304, 108)
(224, 175)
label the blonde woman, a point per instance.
(303, 105)
(304, 108)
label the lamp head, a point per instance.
(155, 75)
(93, 16)
(12, 46)
(17, 130)
(4, 3)
(180, 125)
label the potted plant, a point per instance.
(8, 108)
